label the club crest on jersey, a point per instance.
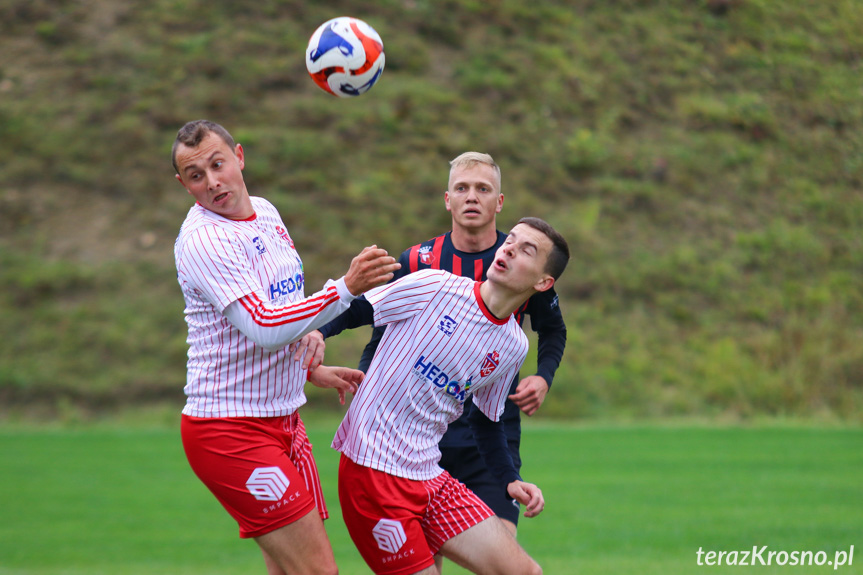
(283, 233)
(259, 245)
(489, 364)
(430, 372)
(426, 255)
(447, 325)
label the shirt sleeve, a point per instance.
(358, 314)
(546, 320)
(370, 349)
(218, 267)
(406, 297)
(491, 443)
(275, 326)
(378, 332)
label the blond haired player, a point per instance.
(242, 281)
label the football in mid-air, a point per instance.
(345, 56)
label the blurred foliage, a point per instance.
(704, 158)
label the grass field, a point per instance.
(107, 499)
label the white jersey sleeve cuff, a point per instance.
(344, 294)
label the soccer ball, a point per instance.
(345, 57)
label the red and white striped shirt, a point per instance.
(440, 346)
(253, 263)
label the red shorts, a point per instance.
(260, 469)
(399, 524)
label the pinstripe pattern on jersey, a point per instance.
(400, 412)
(220, 261)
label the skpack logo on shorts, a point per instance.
(389, 535)
(439, 378)
(267, 483)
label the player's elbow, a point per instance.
(263, 339)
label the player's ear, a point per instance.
(238, 151)
(179, 179)
(499, 203)
(446, 201)
(545, 283)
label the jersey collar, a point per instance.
(489, 316)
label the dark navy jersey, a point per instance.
(543, 309)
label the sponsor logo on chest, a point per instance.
(282, 288)
(426, 369)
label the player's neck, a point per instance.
(473, 241)
(501, 302)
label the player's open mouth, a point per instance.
(499, 264)
(220, 197)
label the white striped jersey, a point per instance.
(220, 261)
(441, 345)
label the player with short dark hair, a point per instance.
(448, 338)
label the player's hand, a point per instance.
(528, 495)
(530, 394)
(342, 379)
(371, 268)
(310, 349)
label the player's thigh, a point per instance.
(383, 515)
(301, 547)
(466, 464)
(489, 548)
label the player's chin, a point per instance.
(495, 272)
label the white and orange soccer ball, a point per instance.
(345, 56)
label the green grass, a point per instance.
(619, 499)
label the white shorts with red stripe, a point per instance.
(399, 524)
(260, 469)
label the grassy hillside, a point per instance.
(705, 160)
